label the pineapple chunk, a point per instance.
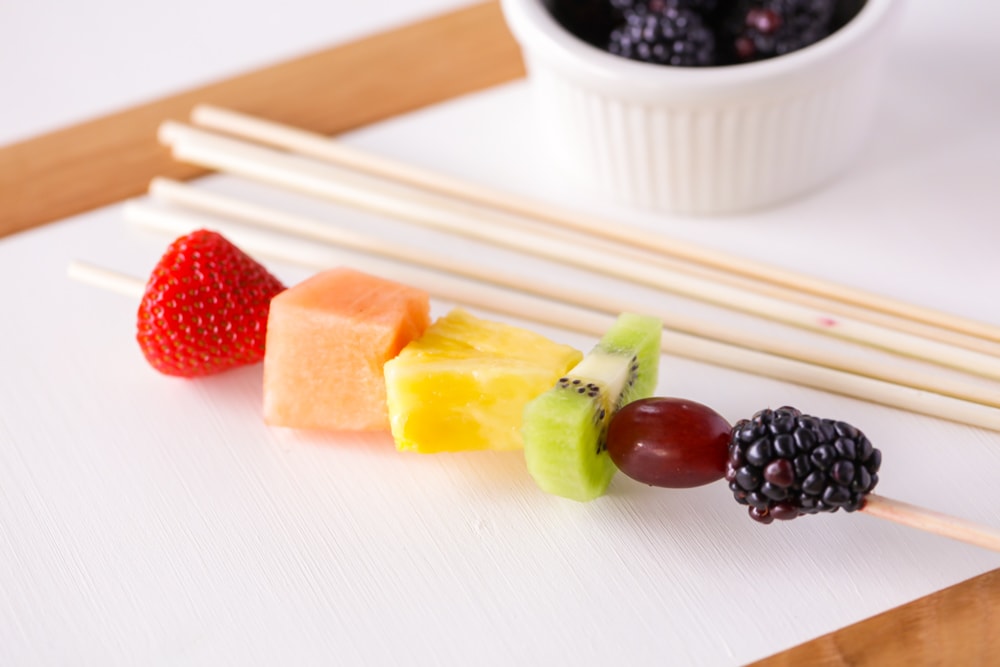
(463, 385)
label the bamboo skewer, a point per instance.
(547, 310)
(623, 242)
(595, 324)
(320, 147)
(106, 279)
(819, 303)
(191, 198)
(931, 521)
(330, 182)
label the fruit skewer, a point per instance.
(690, 257)
(881, 383)
(878, 506)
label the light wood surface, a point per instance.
(111, 158)
(957, 626)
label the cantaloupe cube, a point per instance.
(463, 385)
(327, 340)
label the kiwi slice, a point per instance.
(564, 429)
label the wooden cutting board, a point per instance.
(112, 158)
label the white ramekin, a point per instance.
(704, 140)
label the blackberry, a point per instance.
(783, 463)
(660, 5)
(670, 36)
(761, 29)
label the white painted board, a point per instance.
(149, 520)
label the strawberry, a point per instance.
(205, 307)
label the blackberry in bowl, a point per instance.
(703, 106)
(671, 36)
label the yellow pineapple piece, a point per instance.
(463, 385)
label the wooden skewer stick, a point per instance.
(107, 279)
(595, 324)
(327, 181)
(258, 215)
(560, 224)
(323, 148)
(931, 521)
(575, 317)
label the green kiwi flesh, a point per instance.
(564, 429)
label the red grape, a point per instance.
(669, 442)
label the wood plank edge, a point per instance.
(112, 158)
(958, 625)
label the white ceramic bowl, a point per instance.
(704, 140)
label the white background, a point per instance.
(145, 520)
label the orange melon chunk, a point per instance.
(327, 340)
